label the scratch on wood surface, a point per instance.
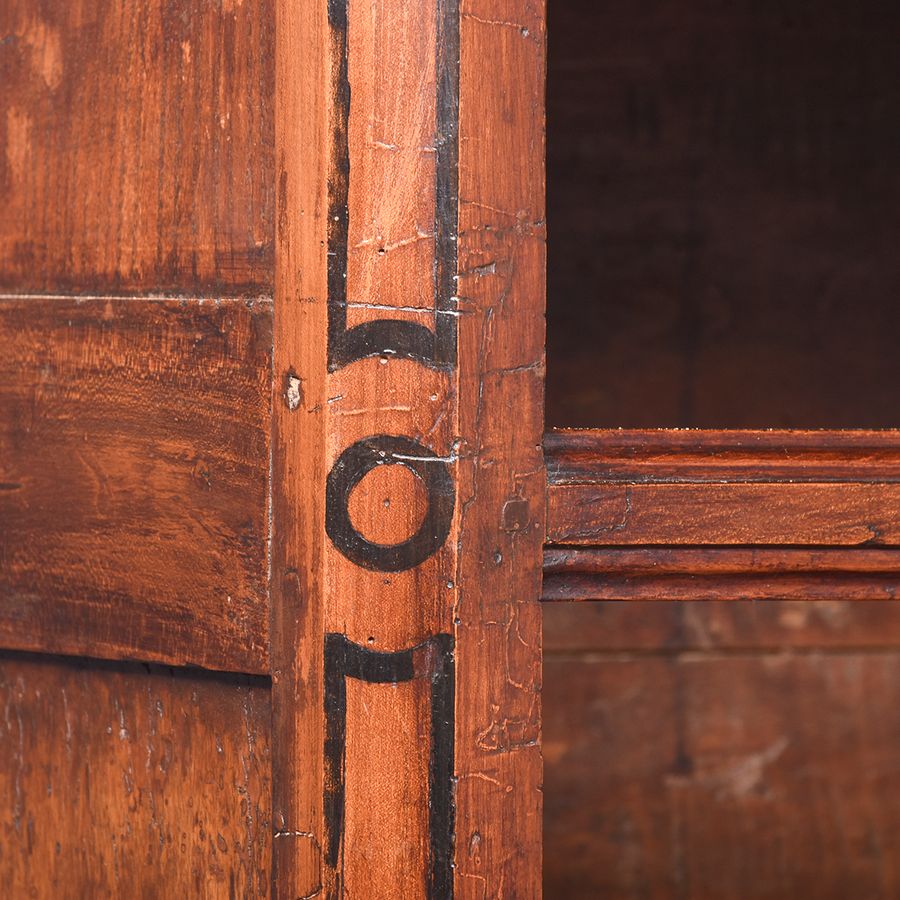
(525, 32)
(386, 307)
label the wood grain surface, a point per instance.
(721, 573)
(126, 780)
(722, 773)
(136, 146)
(133, 479)
(646, 628)
(699, 487)
(407, 425)
(502, 263)
(712, 456)
(721, 750)
(298, 450)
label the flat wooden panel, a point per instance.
(724, 202)
(129, 781)
(391, 237)
(136, 146)
(387, 810)
(134, 466)
(750, 488)
(722, 777)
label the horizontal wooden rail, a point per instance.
(722, 515)
(698, 573)
(689, 456)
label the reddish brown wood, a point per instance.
(692, 456)
(719, 573)
(136, 146)
(298, 453)
(848, 514)
(122, 780)
(716, 776)
(651, 628)
(136, 160)
(502, 263)
(711, 488)
(393, 214)
(133, 479)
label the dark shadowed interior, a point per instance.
(723, 188)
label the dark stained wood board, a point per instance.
(713, 775)
(126, 780)
(137, 146)
(651, 627)
(133, 479)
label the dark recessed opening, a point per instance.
(723, 188)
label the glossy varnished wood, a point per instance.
(133, 479)
(136, 146)
(125, 780)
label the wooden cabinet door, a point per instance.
(136, 256)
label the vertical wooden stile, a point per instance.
(298, 449)
(408, 481)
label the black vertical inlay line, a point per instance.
(338, 183)
(436, 349)
(345, 659)
(446, 207)
(441, 809)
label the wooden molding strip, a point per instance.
(689, 456)
(721, 573)
(724, 488)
